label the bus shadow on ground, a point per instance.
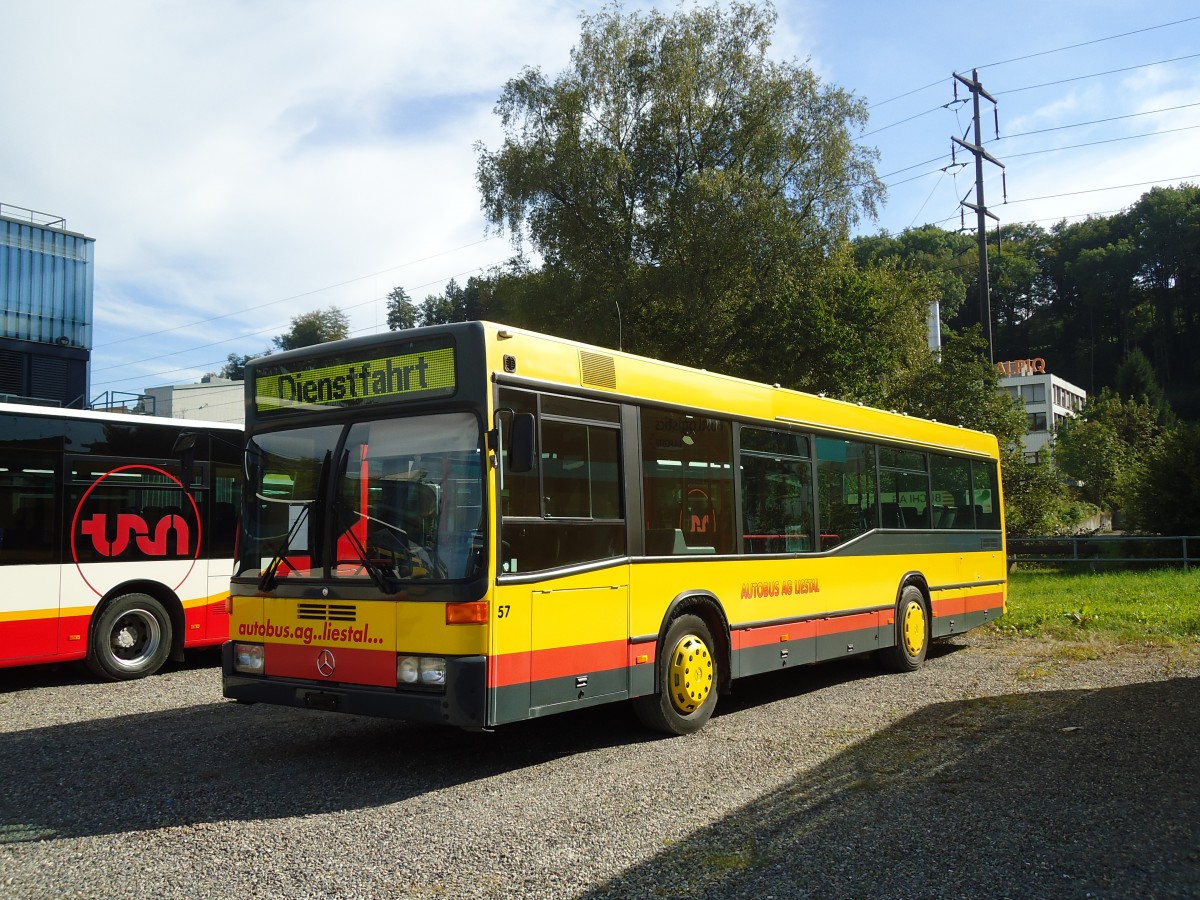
(221, 761)
(1064, 794)
(26, 678)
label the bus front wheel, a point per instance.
(130, 639)
(912, 633)
(687, 680)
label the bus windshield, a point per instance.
(384, 501)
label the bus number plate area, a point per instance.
(321, 700)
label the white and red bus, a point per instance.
(116, 542)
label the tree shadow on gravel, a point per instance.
(1055, 794)
(227, 761)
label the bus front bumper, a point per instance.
(464, 702)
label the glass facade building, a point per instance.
(46, 290)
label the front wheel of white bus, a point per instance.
(130, 639)
(687, 680)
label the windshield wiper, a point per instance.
(381, 575)
(268, 579)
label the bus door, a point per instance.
(561, 522)
(30, 535)
(579, 632)
(220, 538)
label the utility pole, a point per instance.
(981, 210)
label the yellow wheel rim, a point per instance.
(914, 629)
(691, 674)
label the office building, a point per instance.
(1048, 401)
(46, 284)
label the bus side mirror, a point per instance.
(185, 450)
(521, 449)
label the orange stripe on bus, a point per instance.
(981, 602)
(557, 662)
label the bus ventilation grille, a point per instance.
(598, 370)
(327, 612)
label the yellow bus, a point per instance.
(474, 524)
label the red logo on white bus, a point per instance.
(112, 534)
(132, 526)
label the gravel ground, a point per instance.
(1004, 768)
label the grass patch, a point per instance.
(724, 862)
(1159, 606)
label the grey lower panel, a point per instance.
(518, 702)
(805, 651)
(462, 703)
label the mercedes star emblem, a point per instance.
(326, 663)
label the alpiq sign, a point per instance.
(1035, 366)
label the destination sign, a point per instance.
(407, 376)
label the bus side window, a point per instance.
(777, 498)
(987, 493)
(950, 480)
(687, 462)
(569, 509)
(28, 484)
(846, 490)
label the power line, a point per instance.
(1020, 134)
(1111, 37)
(1149, 112)
(295, 296)
(1114, 187)
(907, 93)
(902, 121)
(250, 334)
(1098, 74)
(1128, 137)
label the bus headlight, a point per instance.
(408, 669)
(433, 670)
(248, 658)
(421, 671)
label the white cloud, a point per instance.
(226, 155)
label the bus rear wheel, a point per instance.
(687, 680)
(130, 639)
(912, 633)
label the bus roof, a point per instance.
(547, 360)
(89, 415)
(520, 357)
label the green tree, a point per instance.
(316, 327)
(1036, 502)
(1165, 227)
(959, 386)
(1166, 498)
(949, 258)
(1106, 447)
(438, 309)
(855, 332)
(1114, 284)
(235, 365)
(460, 304)
(400, 310)
(1135, 379)
(677, 181)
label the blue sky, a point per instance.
(240, 163)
